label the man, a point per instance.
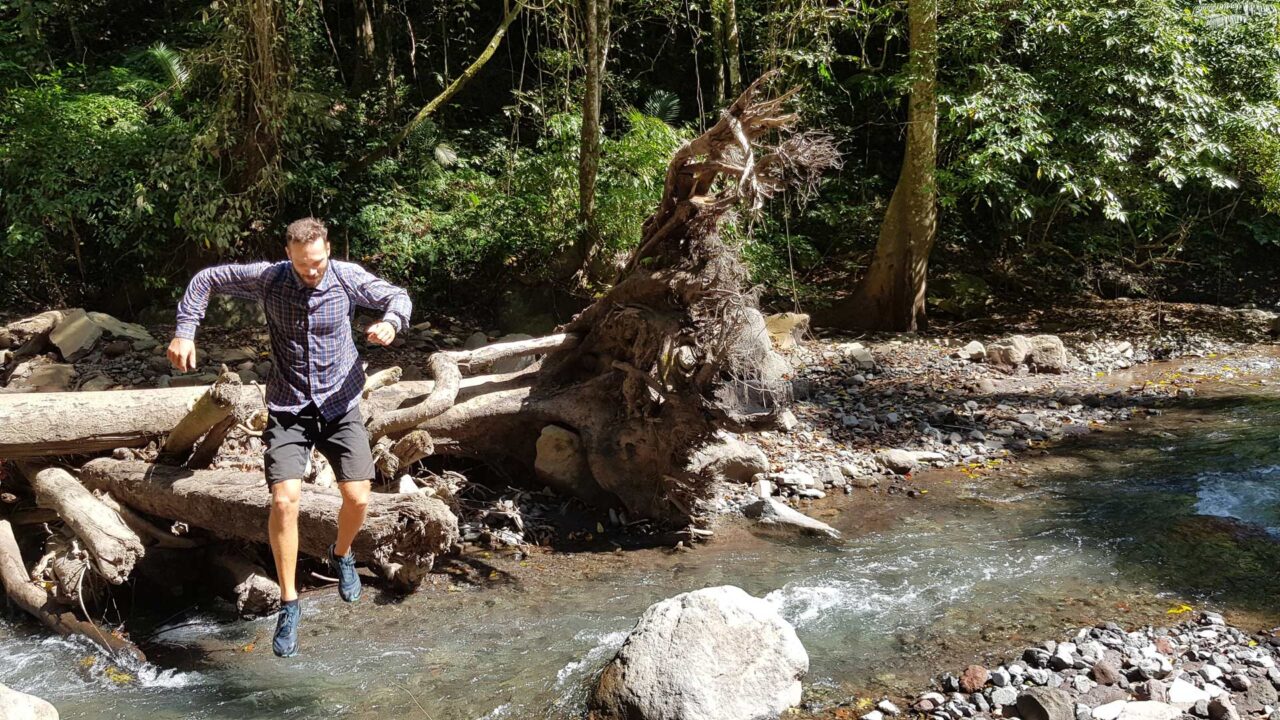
(313, 391)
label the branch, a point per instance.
(445, 95)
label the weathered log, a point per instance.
(381, 379)
(244, 583)
(212, 408)
(407, 531)
(146, 528)
(474, 361)
(212, 441)
(112, 544)
(444, 369)
(34, 425)
(36, 601)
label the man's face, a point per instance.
(310, 260)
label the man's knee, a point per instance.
(286, 497)
(355, 493)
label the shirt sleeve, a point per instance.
(372, 292)
(242, 281)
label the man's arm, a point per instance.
(242, 281)
(377, 294)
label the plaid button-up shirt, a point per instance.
(315, 355)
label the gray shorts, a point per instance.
(343, 441)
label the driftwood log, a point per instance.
(113, 545)
(402, 534)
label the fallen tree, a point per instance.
(402, 534)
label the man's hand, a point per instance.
(182, 354)
(382, 333)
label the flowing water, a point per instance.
(1122, 525)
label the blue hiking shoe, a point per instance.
(345, 568)
(285, 643)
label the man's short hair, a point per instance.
(306, 230)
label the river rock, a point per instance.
(16, 705)
(973, 352)
(1048, 355)
(1148, 710)
(40, 375)
(1183, 694)
(974, 678)
(1009, 352)
(560, 462)
(1046, 704)
(234, 313)
(711, 654)
(905, 461)
(1105, 672)
(772, 515)
(1004, 696)
(1109, 711)
(119, 329)
(1103, 694)
(728, 457)
(75, 334)
(1220, 708)
(787, 329)
(1259, 697)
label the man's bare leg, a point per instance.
(355, 502)
(282, 526)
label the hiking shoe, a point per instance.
(285, 643)
(345, 568)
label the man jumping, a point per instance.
(313, 391)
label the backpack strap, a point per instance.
(334, 265)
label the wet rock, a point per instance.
(974, 678)
(1046, 704)
(712, 654)
(774, 516)
(16, 705)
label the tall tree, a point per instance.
(891, 295)
(595, 18)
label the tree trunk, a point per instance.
(891, 296)
(366, 48)
(36, 425)
(717, 52)
(731, 49)
(402, 534)
(595, 36)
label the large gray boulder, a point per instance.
(1048, 355)
(711, 654)
(16, 705)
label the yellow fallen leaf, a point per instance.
(248, 648)
(600, 528)
(1179, 609)
(117, 676)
